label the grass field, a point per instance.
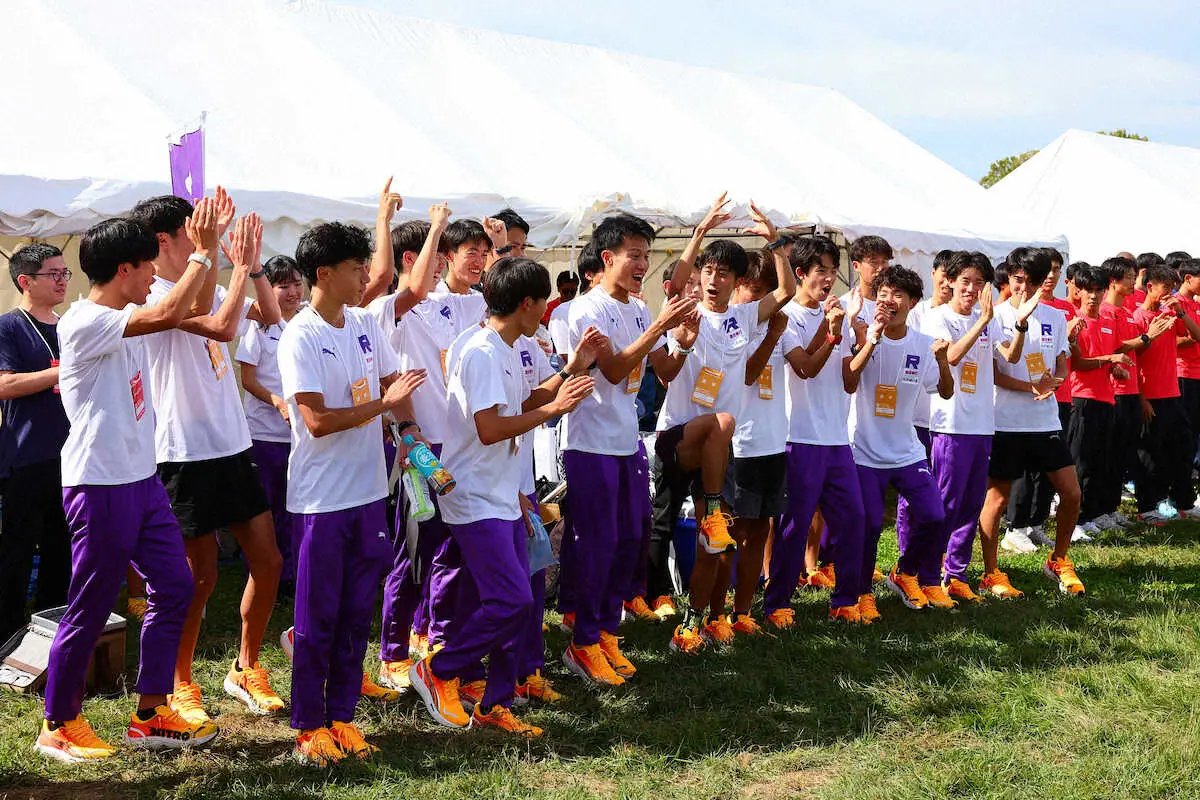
(1043, 697)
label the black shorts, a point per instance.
(1014, 454)
(664, 447)
(213, 494)
(755, 486)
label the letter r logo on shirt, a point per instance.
(1047, 329)
(526, 358)
(364, 342)
(912, 362)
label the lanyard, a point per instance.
(41, 336)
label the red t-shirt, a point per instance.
(1063, 393)
(1188, 358)
(1132, 301)
(553, 304)
(1126, 329)
(1157, 371)
(1098, 338)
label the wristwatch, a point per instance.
(1145, 339)
(500, 251)
(563, 374)
(874, 340)
(205, 260)
(775, 245)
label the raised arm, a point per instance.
(222, 326)
(1011, 351)
(201, 228)
(383, 260)
(265, 308)
(683, 270)
(964, 343)
(807, 362)
(853, 366)
(416, 287)
(762, 354)
(783, 270)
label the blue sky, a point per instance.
(970, 81)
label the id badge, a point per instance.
(970, 374)
(216, 357)
(766, 389)
(1035, 364)
(445, 374)
(360, 393)
(708, 384)
(54, 363)
(139, 395)
(885, 401)
(633, 383)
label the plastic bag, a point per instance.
(541, 554)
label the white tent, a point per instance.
(310, 105)
(1110, 195)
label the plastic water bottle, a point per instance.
(419, 503)
(425, 462)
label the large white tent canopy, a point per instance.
(1110, 195)
(311, 105)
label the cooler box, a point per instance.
(25, 656)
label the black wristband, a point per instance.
(1023, 327)
(504, 250)
(401, 427)
(775, 245)
(563, 374)
(256, 275)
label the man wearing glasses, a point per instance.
(34, 430)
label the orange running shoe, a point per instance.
(502, 718)
(664, 607)
(713, 532)
(394, 675)
(1062, 572)
(638, 609)
(535, 687)
(418, 646)
(317, 747)
(849, 614)
(782, 618)
(168, 730)
(610, 646)
(937, 596)
(822, 578)
(73, 742)
(747, 626)
(186, 701)
(441, 697)
(996, 584)
(718, 630)
(687, 640)
(867, 610)
(907, 589)
(590, 663)
(470, 694)
(959, 590)
(252, 686)
(350, 741)
(373, 691)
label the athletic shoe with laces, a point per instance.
(470, 694)
(1037, 535)
(441, 697)
(187, 702)
(502, 718)
(1080, 534)
(820, 579)
(997, 584)
(287, 641)
(782, 618)
(637, 608)
(568, 623)
(746, 625)
(72, 742)
(868, 612)
(590, 663)
(536, 687)
(1153, 518)
(137, 607)
(317, 747)
(907, 589)
(959, 590)
(1062, 572)
(937, 596)
(847, 614)
(664, 607)
(350, 741)
(394, 675)
(1017, 541)
(611, 647)
(418, 646)
(713, 533)
(168, 730)
(718, 630)
(373, 691)
(687, 640)
(252, 686)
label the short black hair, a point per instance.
(1117, 266)
(510, 281)
(328, 244)
(1055, 256)
(29, 259)
(760, 267)
(902, 278)
(669, 270)
(1000, 278)
(566, 276)
(163, 214)
(961, 261)
(1069, 273)
(1147, 260)
(109, 244)
(806, 255)
(611, 232)
(827, 247)
(1161, 273)
(409, 237)
(465, 231)
(865, 246)
(726, 253)
(1176, 257)
(511, 219)
(1189, 266)
(1033, 261)
(589, 263)
(280, 269)
(1089, 277)
(942, 260)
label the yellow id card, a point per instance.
(766, 389)
(634, 382)
(360, 393)
(216, 357)
(885, 401)
(1036, 364)
(708, 384)
(970, 374)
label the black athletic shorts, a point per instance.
(755, 486)
(209, 495)
(1014, 454)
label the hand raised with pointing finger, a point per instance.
(389, 202)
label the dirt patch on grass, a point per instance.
(788, 784)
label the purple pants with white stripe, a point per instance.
(921, 553)
(960, 467)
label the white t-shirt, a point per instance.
(722, 346)
(200, 414)
(259, 348)
(817, 407)
(104, 381)
(422, 338)
(344, 469)
(763, 427)
(606, 422)
(1020, 412)
(972, 408)
(484, 372)
(890, 441)
(559, 324)
(535, 369)
(918, 318)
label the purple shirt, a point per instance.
(35, 426)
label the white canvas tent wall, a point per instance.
(310, 105)
(1109, 194)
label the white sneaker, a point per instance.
(288, 642)
(1080, 535)
(1017, 541)
(1154, 518)
(1054, 505)
(1190, 513)
(1037, 535)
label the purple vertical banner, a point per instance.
(187, 165)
